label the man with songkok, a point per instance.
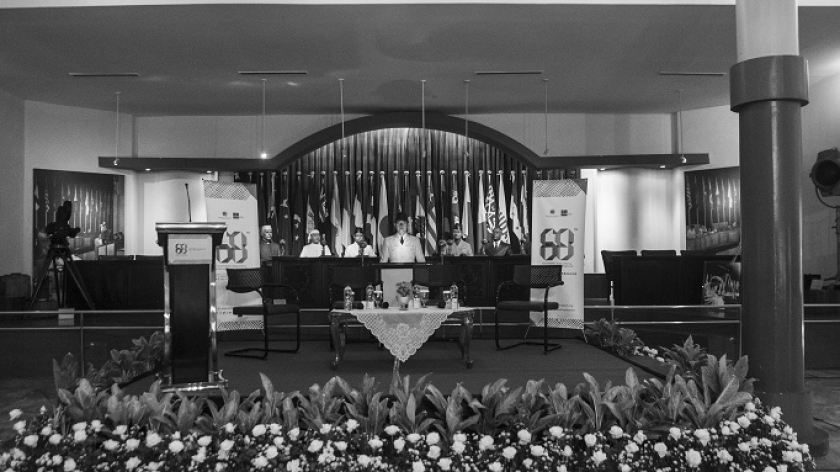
(402, 247)
(315, 248)
(457, 246)
(496, 247)
(268, 248)
(360, 246)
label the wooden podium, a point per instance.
(189, 285)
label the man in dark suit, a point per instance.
(496, 247)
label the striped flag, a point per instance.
(503, 213)
(515, 225)
(523, 200)
(335, 217)
(298, 223)
(370, 224)
(456, 211)
(344, 234)
(431, 221)
(382, 222)
(284, 222)
(481, 235)
(358, 215)
(490, 207)
(311, 222)
(420, 211)
(466, 221)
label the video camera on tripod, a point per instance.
(59, 230)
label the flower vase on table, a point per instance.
(403, 302)
(403, 294)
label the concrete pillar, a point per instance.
(768, 87)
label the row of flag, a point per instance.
(319, 203)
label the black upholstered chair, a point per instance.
(514, 296)
(439, 278)
(659, 252)
(274, 315)
(356, 277)
(610, 269)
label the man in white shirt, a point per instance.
(315, 248)
(457, 246)
(360, 246)
(402, 247)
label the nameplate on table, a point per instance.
(189, 249)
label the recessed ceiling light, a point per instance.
(273, 72)
(103, 74)
(701, 74)
(147, 170)
(509, 72)
(661, 167)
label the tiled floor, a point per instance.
(30, 394)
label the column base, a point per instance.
(797, 411)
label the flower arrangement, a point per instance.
(404, 289)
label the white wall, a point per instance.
(12, 177)
(163, 199)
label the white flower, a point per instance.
(703, 435)
(375, 443)
(769, 420)
(567, 451)
(459, 437)
(154, 465)
(351, 424)
(743, 447)
(294, 465)
(69, 465)
(413, 438)
(776, 413)
(80, 426)
(121, 430)
(751, 416)
(110, 444)
(509, 452)
(434, 452)
(445, 464)
(15, 414)
(294, 433)
(556, 432)
(743, 421)
(750, 406)
(804, 448)
(527, 463)
(274, 428)
(675, 433)
(485, 443)
(598, 457)
(458, 447)
(20, 427)
(260, 462)
(200, 456)
(79, 436)
(271, 452)
(693, 458)
(204, 441)
(97, 425)
(230, 428)
(391, 430)
(725, 430)
(769, 469)
(782, 467)
(724, 456)
(363, 460)
(399, 444)
(417, 466)
(132, 444)
(325, 428)
(590, 440)
(152, 440)
(537, 451)
(259, 430)
(315, 445)
(616, 431)
(432, 438)
(562, 468)
(132, 463)
(639, 437)
(631, 447)
(278, 441)
(46, 430)
(226, 445)
(56, 459)
(176, 446)
(31, 440)
(495, 467)
(661, 449)
(524, 436)
(341, 445)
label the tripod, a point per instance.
(60, 250)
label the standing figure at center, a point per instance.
(402, 247)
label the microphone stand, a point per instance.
(189, 203)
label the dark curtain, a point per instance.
(357, 162)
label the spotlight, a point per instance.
(826, 172)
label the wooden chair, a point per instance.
(526, 278)
(610, 269)
(251, 280)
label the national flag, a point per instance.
(298, 223)
(466, 220)
(335, 218)
(358, 215)
(420, 212)
(311, 204)
(523, 200)
(370, 223)
(431, 221)
(444, 211)
(346, 222)
(515, 225)
(284, 224)
(456, 211)
(323, 213)
(481, 234)
(382, 222)
(490, 207)
(503, 213)
(271, 217)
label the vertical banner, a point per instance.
(234, 204)
(557, 226)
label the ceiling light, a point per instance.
(423, 118)
(466, 118)
(661, 167)
(263, 154)
(117, 134)
(147, 169)
(341, 94)
(103, 74)
(545, 82)
(691, 73)
(509, 72)
(273, 72)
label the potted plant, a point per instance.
(403, 294)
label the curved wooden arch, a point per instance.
(405, 120)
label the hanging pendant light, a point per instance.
(545, 86)
(423, 118)
(341, 91)
(680, 130)
(263, 153)
(117, 134)
(466, 118)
